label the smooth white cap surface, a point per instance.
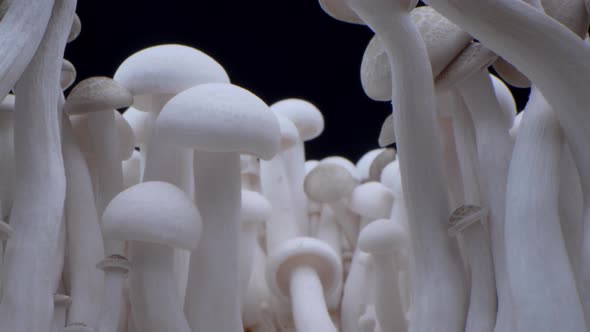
(68, 74)
(343, 162)
(364, 163)
(382, 236)
(255, 208)
(167, 70)
(328, 183)
(155, 212)
(371, 200)
(391, 178)
(218, 117)
(387, 133)
(306, 116)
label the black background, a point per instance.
(276, 49)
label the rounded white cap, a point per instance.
(166, 70)
(155, 212)
(307, 118)
(364, 163)
(382, 236)
(371, 200)
(376, 72)
(289, 133)
(387, 133)
(343, 162)
(218, 117)
(255, 208)
(68, 74)
(391, 178)
(329, 183)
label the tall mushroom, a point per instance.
(36, 215)
(219, 121)
(156, 217)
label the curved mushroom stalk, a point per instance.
(533, 233)
(36, 216)
(494, 150)
(435, 255)
(84, 237)
(21, 32)
(553, 58)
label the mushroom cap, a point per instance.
(219, 117)
(307, 118)
(383, 159)
(126, 136)
(255, 208)
(96, 94)
(364, 163)
(387, 133)
(464, 216)
(328, 183)
(391, 178)
(289, 133)
(444, 39)
(382, 236)
(510, 74)
(154, 212)
(115, 263)
(75, 29)
(376, 72)
(339, 10)
(68, 74)
(78, 327)
(140, 124)
(309, 165)
(347, 164)
(371, 200)
(475, 57)
(303, 251)
(166, 70)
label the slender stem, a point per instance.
(274, 183)
(544, 295)
(294, 161)
(36, 216)
(388, 306)
(21, 32)
(555, 60)
(154, 297)
(112, 301)
(85, 244)
(494, 150)
(354, 293)
(307, 298)
(213, 284)
(481, 316)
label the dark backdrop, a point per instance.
(276, 49)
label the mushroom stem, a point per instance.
(494, 149)
(439, 286)
(105, 140)
(213, 284)
(112, 297)
(36, 216)
(21, 32)
(554, 59)
(307, 298)
(533, 233)
(153, 289)
(388, 304)
(274, 183)
(294, 161)
(85, 244)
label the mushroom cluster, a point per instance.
(167, 198)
